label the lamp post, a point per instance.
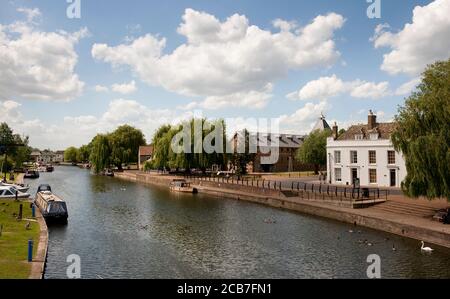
(329, 170)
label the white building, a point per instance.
(365, 152)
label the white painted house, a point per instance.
(365, 152)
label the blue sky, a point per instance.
(352, 77)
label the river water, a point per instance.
(127, 230)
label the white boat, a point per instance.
(182, 186)
(9, 192)
(42, 169)
(21, 188)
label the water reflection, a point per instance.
(126, 230)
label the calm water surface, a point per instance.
(127, 230)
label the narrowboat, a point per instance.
(182, 186)
(52, 207)
(31, 174)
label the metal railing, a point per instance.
(299, 189)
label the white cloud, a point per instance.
(101, 88)
(30, 13)
(84, 127)
(125, 88)
(323, 88)
(303, 120)
(328, 87)
(420, 43)
(38, 65)
(370, 90)
(221, 60)
(408, 87)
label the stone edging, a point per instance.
(40, 260)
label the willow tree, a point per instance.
(124, 144)
(100, 153)
(314, 149)
(423, 135)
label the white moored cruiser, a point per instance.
(9, 192)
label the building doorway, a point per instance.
(393, 178)
(354, 175)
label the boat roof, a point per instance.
(49, 196)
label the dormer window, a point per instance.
(359, 137)
(374, 136)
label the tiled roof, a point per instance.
(280, 140)
(384, 130)
(146, 150)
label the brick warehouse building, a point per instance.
(287, 146)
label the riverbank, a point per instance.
(14, 240)
(40, 256)
(392, 221)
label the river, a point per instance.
(127, 230)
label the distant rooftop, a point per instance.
(321, 124)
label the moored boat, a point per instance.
(8, 192)
(31, 174)
(50, 168)
(52, 207)
(20, 188)
(183, 186)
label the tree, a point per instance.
(240, 160)
(83, 153)
(100, 153)
(124, 144)
(314, 149)
(423, 135)
(70, 154)
(13, 146)
(212, 133)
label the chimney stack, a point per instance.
(372, 120)
(335, 131)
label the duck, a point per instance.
(393, 248)
(426, 249)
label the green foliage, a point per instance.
(70, 154)
(124, 143)
(314, 149)
(423, 135)
(83, 153)
(241, 160)
(13, 146)
(100, 153)
(196, 157)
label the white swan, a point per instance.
(426, 249)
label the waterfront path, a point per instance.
(398, 220)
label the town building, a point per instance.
(365, 153)
(59, 157)
(145, 154)
(43, 157)
(285, 146)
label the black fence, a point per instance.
(298, 189)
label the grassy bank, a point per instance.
(14, 240)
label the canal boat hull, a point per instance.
(52, 207)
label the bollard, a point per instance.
(20, 212)
(17, 195)
(30, 251)
(33, 210)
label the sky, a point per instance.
(147, 63)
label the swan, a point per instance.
(426, 249)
